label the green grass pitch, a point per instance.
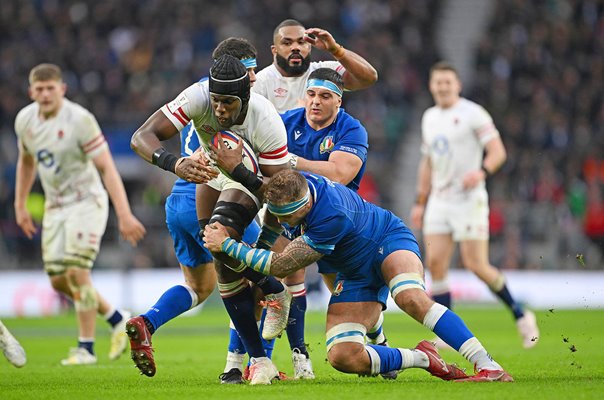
(568, 362)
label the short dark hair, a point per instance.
(285, 186)
(284, 23)
(444, 66)
(328, 74)
(45, 72)
(237, 47)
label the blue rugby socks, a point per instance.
(172, 303)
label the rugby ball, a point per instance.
(231, 140)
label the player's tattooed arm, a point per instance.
(295, 256)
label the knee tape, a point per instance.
(378, 324)
(232, 214)
(346, 332)
(86, 298)
(405, 281)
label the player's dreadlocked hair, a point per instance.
(237, 47)
(229, 77)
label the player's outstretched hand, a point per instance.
(213, 236)
(25, 222)
(321, 39)
(131, 229)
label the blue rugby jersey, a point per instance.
(343, 226)
(344, 134)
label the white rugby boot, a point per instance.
(277, 313)
(12, 349)
(79, 356)
(119, 337)
(527, 327)
(302, 366)
(262, 371)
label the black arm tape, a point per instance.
(246, 177)
(232, 214)
(164, 159)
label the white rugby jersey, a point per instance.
(454, 139)
(63, 147)
(287, 93)
(262, 128)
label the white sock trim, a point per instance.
(297, 290)
(440, 286)
(374, 359)
(194, 297)
(433, 315)
(109, 313)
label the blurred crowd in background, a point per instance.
(539, 72)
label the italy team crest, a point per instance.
(326, 145)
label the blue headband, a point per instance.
(249, 63)
(289, 208)
(329, 85)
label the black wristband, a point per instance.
(246, 177)
(486, 171)
(164, 159)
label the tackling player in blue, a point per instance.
(374, 253)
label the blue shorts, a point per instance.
(367, 283)
(181, 218)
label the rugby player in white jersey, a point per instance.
(224, 102)
(63, 142)
(284, 81)
(452, 204)
(284, 84)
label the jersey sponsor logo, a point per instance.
(349, 149)
(297, 134)
(280, 92)
(45, 158)
(440, 145)
(326, 144)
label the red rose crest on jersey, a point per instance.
(280, 92)
(326, 144)
(208, 129)
(60, 134)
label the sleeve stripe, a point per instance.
(180, 115)
(93, 144)
(275, 154)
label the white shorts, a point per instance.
(464, 219)
(222, 183)
(71, 235)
